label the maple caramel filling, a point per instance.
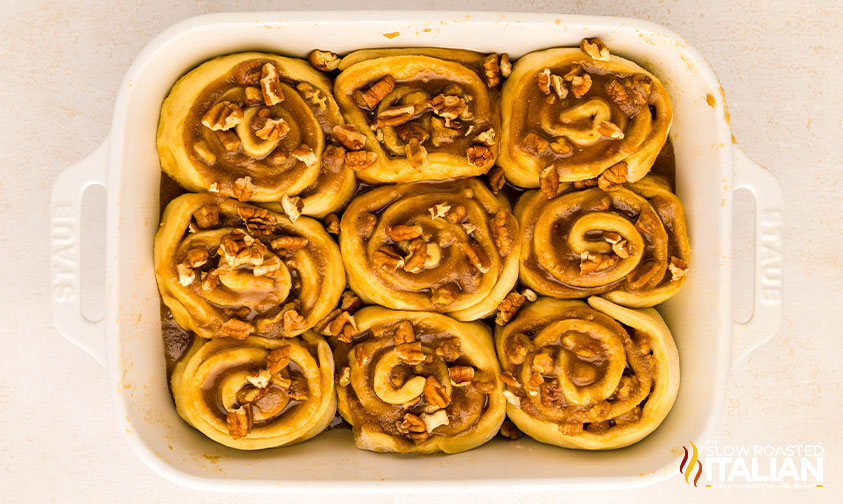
(419, 382)
(228, 269)
(595, 377)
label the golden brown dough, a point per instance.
(593, 377)
(416, 382)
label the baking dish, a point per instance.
(127, 342)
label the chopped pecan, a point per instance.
(210, 281)
(271, 85)
(543, 81)
(250, 394)
(248, 73)
(456, 214)
(530, 295)
(411, 423)
(395, 115)
(557, 84)
(479, 155)
(400, 232)
(197, 256)
(259, 221)
(678, 268)
(362, 355)
(506, 66)
(237, 329)
(448, 350)
(281, 380)
(476, 257)
(447, 106)
(278, 359)
(496, 179)
(444, 295)
(509, 307)
(360, 160)
(543, 363)
(312, 94)
(229, 140)
(415, 152)
(244, 188)
(442, 134)
(501, 233)
(435, 393)
(404, 333)
(292, 321)
(595, 48)
(343, 326)
(350, 302)
(486, 138)
(325, 61)
(292, 206)
(259, 120)
(561, 146)
(186, 274)
(370, 98)
(207, 216)
(434, 420)
(412, 131)
(484, 386)
(461, 375)
(222, 116)
(387, 259)
(239, 422)
(510, 431)
(610, 130)
(590, 263)
(349, 137)
(305, 154)
(415, 260)
(273, 129)
(289, 243)
(259, 378)
(492, 70)
(410, 353)
(332, 223)
(298, 389)
(516, 347)
(534, 144)
(254, 96)
(549, 181)
(580, 84)
(551, 394)
(344, 377)
(214, 187)
(628, 97)
(439, 210)
(535, 379)
(366, 223)
(333, 159)
(584, 184)
(509, 379)
(575, 71)
(614, 177)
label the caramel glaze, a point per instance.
(177, 340)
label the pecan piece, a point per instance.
(509, 307)
(207, 216)
(411, 423)
(610, 130)
(543, 81)
(412, 131)
(510, 431)
(292, 321)
(580, 84)
(492, 70)
(229, 140)
(516, 347)
(534, 143)
(442, 134)
(484, 386)
(415, 260)
(360, 160)
(476, 257)
(244, 188)
(349, 137)
(410, 353)
(366, 223)
(273, 129)
(509, 379)
(549, 181)
(448, 350)
(248, 73)
(543, 363)
(505, 65)
(332, 223)
(561, 146)
(239, 422)
(350, 302)
(395, 115)
(447, 106)
(479, 155)
(416, 153)
(271, 85)
(305, 154)
(222, 116)
(614, 177)
(678, 268)
(343, 326)
(501, 233)
(387, 259)
(496, 179)
(333, 159)
(197, 256)
(186, 274)
(370, 98)
(486, 138)
(236, 329)
(461, 375)
(259, 221)
(292, 206)
(325, 61)
(595, 48)
(254, 96)
(627, 101)
(585, 184)
(289, 243)
(259, 378)
(444, 295)
(401, 232)
(557, 84)
(278, 359)
(435, 393)
(590, 263)
(404, 333)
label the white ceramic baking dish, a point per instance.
(128, 341)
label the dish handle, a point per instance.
(65, 227)
(769, 226)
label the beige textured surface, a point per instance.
(61, 64)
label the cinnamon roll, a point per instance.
(571, 114)
(449, 247)
(228, 269)
(428, 114)
(591, 377)
(416, 382)
(256, 393)
(255, 126)
(628, 244)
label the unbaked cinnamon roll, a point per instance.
(416, 382)
(228, 269)
(628, 244)
(572, 114)
(591, 377)
(257, 393)
(428, 114)
(449, 247)
(255, 126)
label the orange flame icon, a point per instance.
(686, 467)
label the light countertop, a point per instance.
(60, 67)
